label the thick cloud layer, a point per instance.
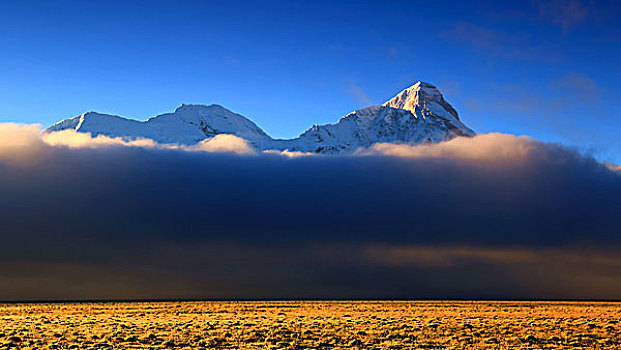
(495, 216)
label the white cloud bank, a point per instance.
(492, 147)
(20, 143)
(24, 143)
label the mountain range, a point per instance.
(418, 114)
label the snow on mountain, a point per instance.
(424, 99)
(416, 115)
(188, 124)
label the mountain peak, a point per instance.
(423, 96)
(418, 114)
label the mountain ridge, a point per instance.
(418, 114)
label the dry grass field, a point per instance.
(312, 325)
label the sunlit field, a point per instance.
(312, 324)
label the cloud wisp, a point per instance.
(566, 13)
(488, 41)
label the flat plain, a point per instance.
(311, 325)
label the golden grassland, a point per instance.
(311, 325)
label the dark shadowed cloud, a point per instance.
(496, 216)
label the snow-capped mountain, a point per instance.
(188, 124)
(418, 114)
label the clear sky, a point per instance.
(549, 69)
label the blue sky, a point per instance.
(548, 69)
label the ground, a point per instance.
(312, 324)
